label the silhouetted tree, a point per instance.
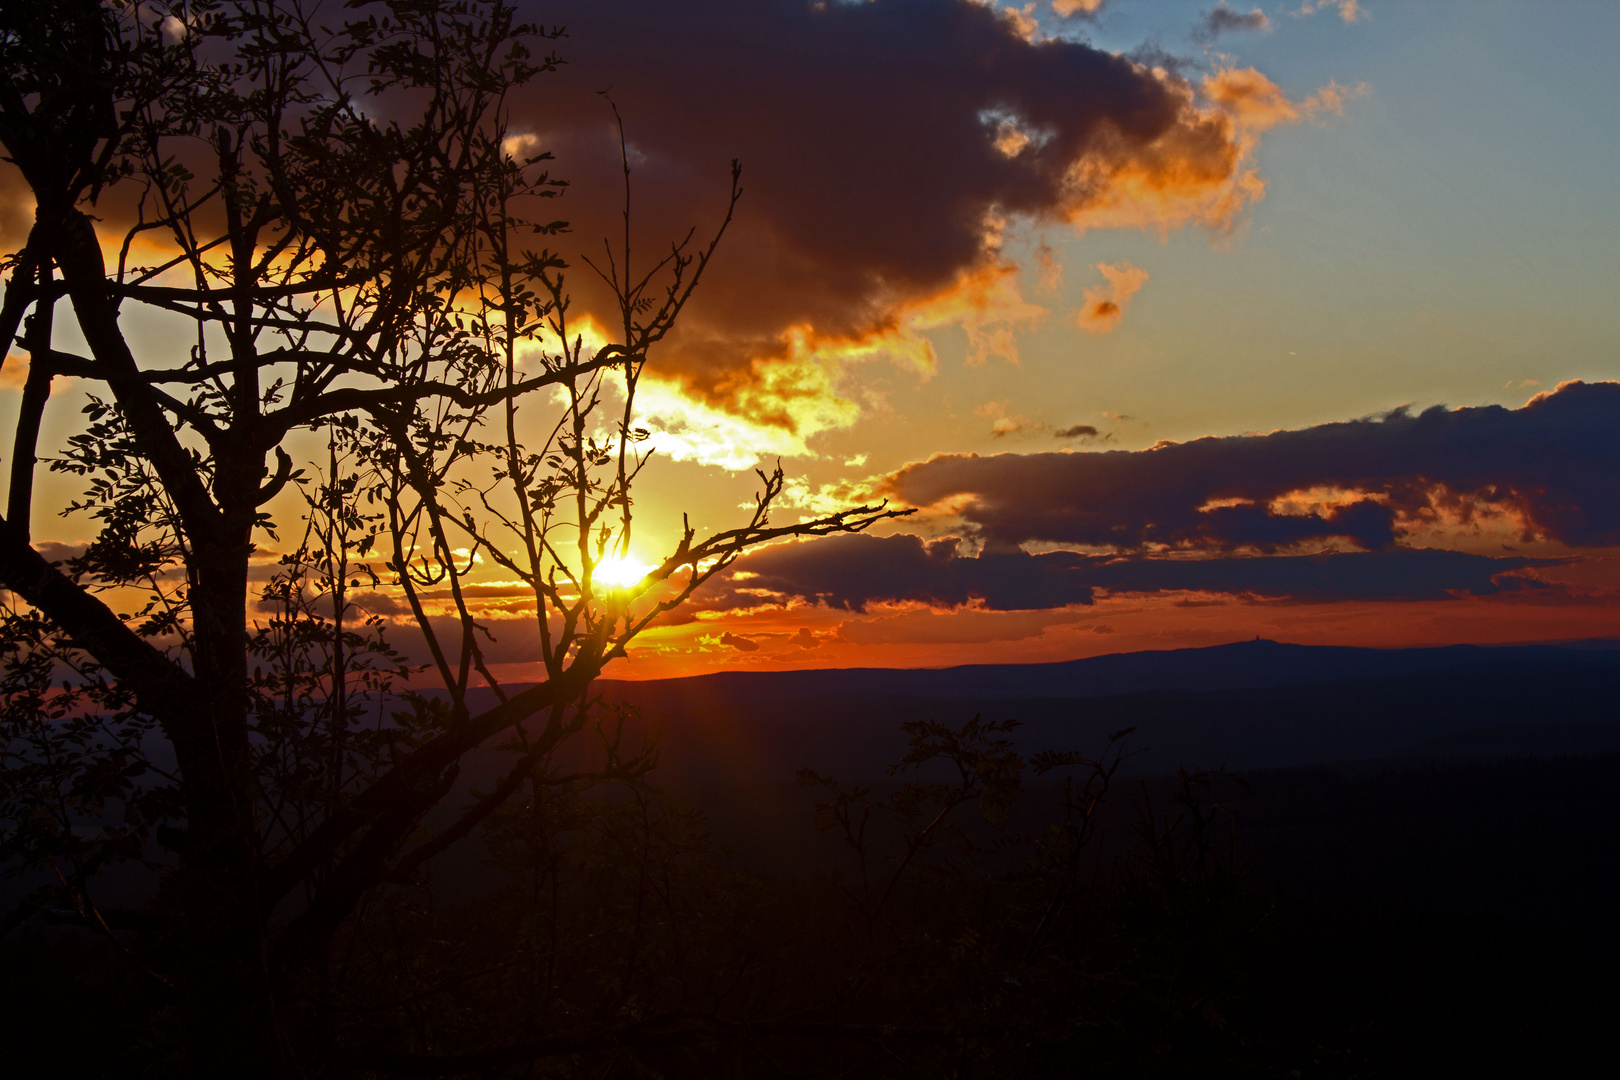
(315, 219)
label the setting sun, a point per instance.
(621, 571)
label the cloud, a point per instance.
(1552, 467)
(986, 304)
(790, 401)
(1223, 18)
(14, 375)
(1078, 431)
(1400, 574)
(1106, 304)
(14, 372)
(1084, 9)
(1001, 422)
(804, 639)
(851, 572)
(1022, 20)
(1348, 10)
(1259, 104)
(737, 641)
(887, 146)
(773, 407)
(854, 572)
(54, 551)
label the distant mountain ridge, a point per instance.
(1235, 666)
(1248, 705)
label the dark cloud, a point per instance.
(1400, 574)
(1079, 431)
(1223, 18)
(1367, 523)
(1554, 465)
(876, 139)
(737, 641)
(54, 551)
(851, 572)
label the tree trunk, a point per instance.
(217, 938)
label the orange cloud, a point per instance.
(771, 409)
(986, 303)
(14, 373)
(1199, 170)
(1192, 174)
(776, 404)
(1348, 10)
(1106, 304)
(1022, 20)
(1001, 423)
(1258, 103)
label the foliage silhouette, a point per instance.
(325, 212)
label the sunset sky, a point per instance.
(1177, 323)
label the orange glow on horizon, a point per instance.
(913, 636)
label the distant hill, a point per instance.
(1239, 665)
(1253, 704)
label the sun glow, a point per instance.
(620, 572)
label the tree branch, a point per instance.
(396, 792)
(79, 256)
(161, 687)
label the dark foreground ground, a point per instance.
(1438, 899)
(1432, 918)
(1452, 919)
